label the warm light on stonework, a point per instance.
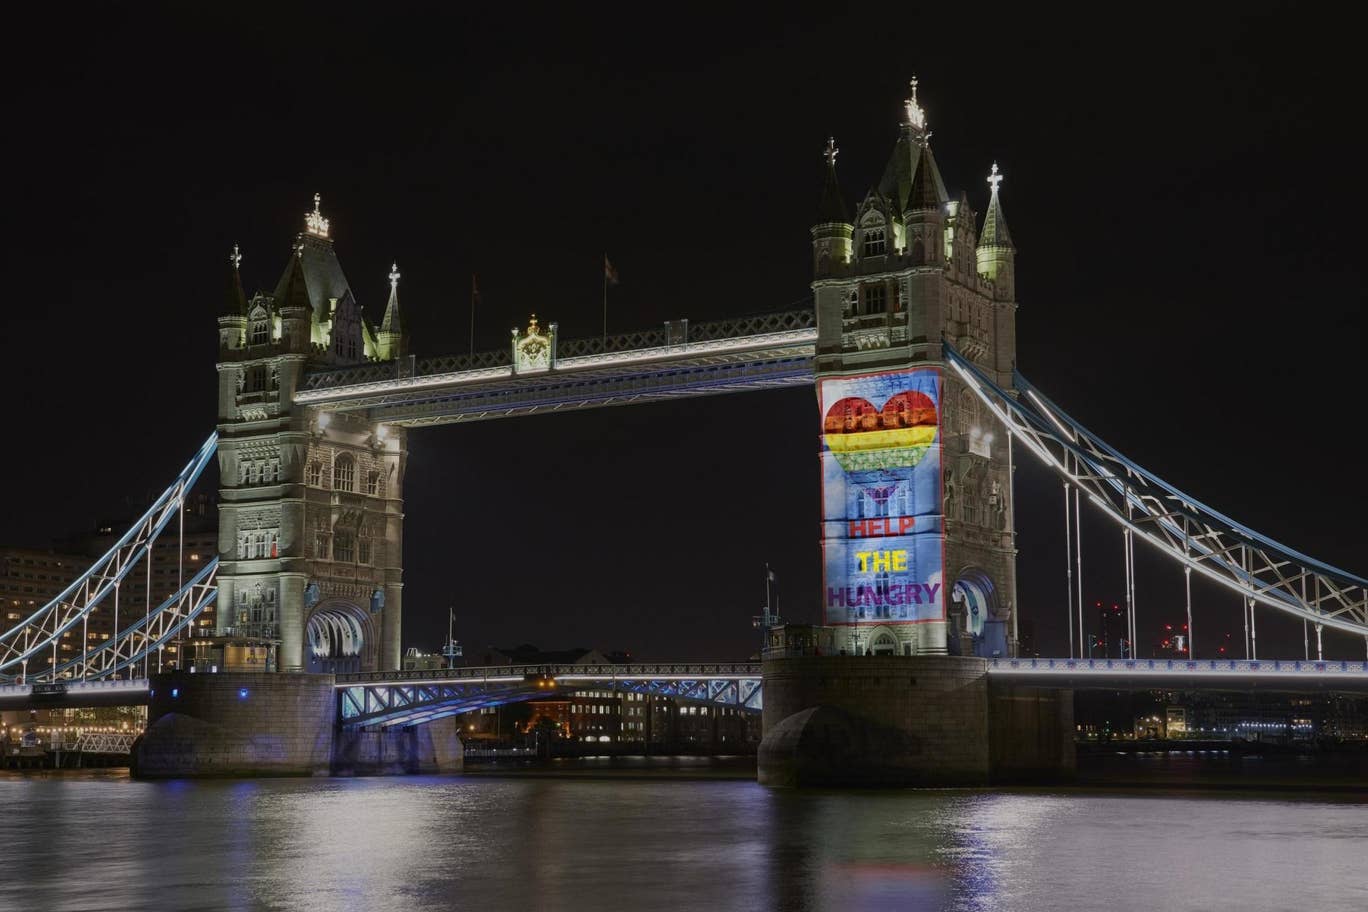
(314, 222)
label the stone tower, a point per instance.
(918, 540)
(311, 502)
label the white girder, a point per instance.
(35, 639)
(147, 634)
(1181, 527)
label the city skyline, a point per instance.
(700, 186)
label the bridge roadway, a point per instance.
(408, 697)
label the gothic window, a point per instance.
(244, 472)
(342, 547)
(876, 299)
(272, 471)
(918, 251)
(897, 298)
(313, 475)
(258, 378)
(320, 544)
(344, 473)
(874, 242)
(275, 376)
(372, 482)
(363, 551)
(255, 474)
(272, 544)
(261, 332)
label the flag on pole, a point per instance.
(610, 275)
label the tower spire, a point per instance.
(390, 340)
(236, 301)
(995, 232)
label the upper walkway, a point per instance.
(680, 359)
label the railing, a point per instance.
(634, 671)
(1179, 667)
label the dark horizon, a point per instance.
(1185, 206)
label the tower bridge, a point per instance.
(909, 343)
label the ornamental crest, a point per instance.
(534, 350)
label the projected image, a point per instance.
(882, 545)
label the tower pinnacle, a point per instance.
(314, 222)
(994, 179)
(916, 115)
(831, 151)
(394, 276)
(235, 257)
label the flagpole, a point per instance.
(474, 291)
(605, 301)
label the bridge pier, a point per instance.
(259, 724)
(908, 721)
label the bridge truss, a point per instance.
(1202, 540)
(36, 639)
(396, 699)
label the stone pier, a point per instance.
(260, 724)
(908, 721)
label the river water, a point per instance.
(679, 838)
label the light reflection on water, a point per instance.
(103, 842)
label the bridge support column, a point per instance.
(908, 720)
(291, 656)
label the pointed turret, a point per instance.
(924, 216)
(927, 191)
(233, 320)
(833, 207)
(831, 236)
(996, 254)
(390, 339)
(995, 233)
(293, 305)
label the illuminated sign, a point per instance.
(882, 531)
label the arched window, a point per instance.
(344, 473)
(261, 332)
(313, 475)
(372, 482)
(874, 242)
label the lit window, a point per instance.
(373, 482)
(261, 332)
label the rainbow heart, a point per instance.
(896, 436)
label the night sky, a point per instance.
(1185, 192)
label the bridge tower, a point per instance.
(310, 502)
(918, 537)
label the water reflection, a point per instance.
(102, 842)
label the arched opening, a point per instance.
(885, 645)
(338, 640)
(977, 626)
